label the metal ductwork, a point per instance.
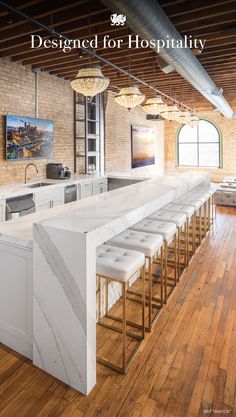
(147, 19)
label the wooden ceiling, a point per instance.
(213, 20)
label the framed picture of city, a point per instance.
(28, 138)
(142, 146)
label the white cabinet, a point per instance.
(49, 198)
(16, 312)
(85, 189)
(99, 186)
(2, 210)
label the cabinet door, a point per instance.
(86, 189)
(2, 212)
(99, 186)
(44, 205)
(49, 198)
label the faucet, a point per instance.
(27, 166)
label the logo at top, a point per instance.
(117, 19)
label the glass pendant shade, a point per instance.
(154, 106)
(129, 97)
(90, 81)
(171, 112)
(183, 117)
(194, 121)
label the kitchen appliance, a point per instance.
(70, 193)
(57, 171)
(19, 206)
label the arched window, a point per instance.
(199, 146)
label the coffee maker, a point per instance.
(57, 171)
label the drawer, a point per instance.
(86, 189)
(52, 194)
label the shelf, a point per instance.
(90, 153)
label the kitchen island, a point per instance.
(64, 269)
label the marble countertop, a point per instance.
(12, 190)
(88, 215)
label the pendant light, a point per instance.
(194, 121)
(154, 105)
(129, 97)
(183, 117)
(90, 81)
(172, 110)
(170, 113)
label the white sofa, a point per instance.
(225, 194)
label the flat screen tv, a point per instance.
(28, 138)
(142, 146)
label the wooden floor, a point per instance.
(186, 367)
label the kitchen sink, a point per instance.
(38, 184)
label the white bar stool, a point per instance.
(120, 265)
(180, 220)
(168, 231)
(190, 214)
(197, 204)
(203, 196)
(152, 246)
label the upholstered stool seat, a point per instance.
(166, 229)
(180, 219)
(120, 265)
(180, 208)
(162, 215)
(150, 245)
(169, 231)
(189, 201)
(189, 211)
(147, 243)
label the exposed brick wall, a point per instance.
(118, 121)
(228, 131)
(55, 101)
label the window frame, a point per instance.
(220, 166)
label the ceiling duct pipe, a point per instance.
(147, 19)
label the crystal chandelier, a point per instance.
(183, 117)
(154, 105)
(194, 120)
(129, 97)
(171, 113)
(90, 81)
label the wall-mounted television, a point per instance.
(142, 146)
(28, 138)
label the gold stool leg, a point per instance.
(143, 298)
(150, 293)
(187, 242)
(123, 286)
(99, 297)
(162, 298)
(200, 225)
(194, 232)
(106, 296)
(205, 218)
(209, 214)
(176, 267)
(165, 271)
(178, 249)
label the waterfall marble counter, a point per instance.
(64, 272)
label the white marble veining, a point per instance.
(64, 294)
(14, 190)
(64, 242)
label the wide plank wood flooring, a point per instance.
(185, 368)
